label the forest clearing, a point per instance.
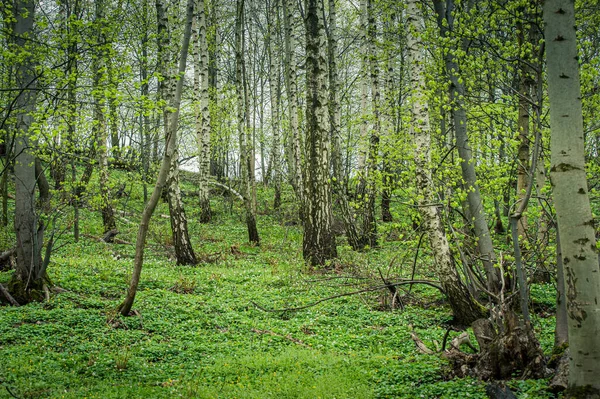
(299, 199)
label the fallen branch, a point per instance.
(419, 343)
(370, 289)
(7, 295)
(100, 239)
(231, 190)
(7, 254)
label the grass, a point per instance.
(196, 333)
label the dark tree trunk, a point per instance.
(319, 240)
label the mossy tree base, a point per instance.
(25, 293)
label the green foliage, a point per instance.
(197, 335)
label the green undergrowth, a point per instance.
(196, 332)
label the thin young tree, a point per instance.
(246, 161)
(99, 60)
(274, 91)
(170, 144)
(291, 81)
(181, 240)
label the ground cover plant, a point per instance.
(315, 198)
(197, 334)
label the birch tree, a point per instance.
(291, 80)
(170, 144)
(570, 193)
(318, 241)
(202, 98)
(167, 90)
(246, 161)
(101, 132)
(464, 306)
(274, 91)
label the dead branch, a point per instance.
(101, 239)
(7, 254)
(419, 343)
(9, 297)
(109, 236)
(231, 190)
(369, 289)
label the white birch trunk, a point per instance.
(203, 126)
(318, 240)
(463, 305)
(571, 200)
(289, 18)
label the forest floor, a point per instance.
(196, 332)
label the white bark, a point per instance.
(274, 94)
(203, 126)
(568, 176)
(318, 241)
(170, 145)
(289, 18)
(463, 305)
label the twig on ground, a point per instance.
(370, 289)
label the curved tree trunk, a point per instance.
(140, 243)
(464, 307)
(181, 240)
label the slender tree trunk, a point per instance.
(246, 169)
(524, 93)
(571, 200)
(369, 223)
(203, 127)
(318, 241)
(101, 133)
(464, 307)
(339, 179)
(144, 92)
(274, 90)
(181, 241)
(467, 165)
(112, 105)
(170, 146)
(364, 93)
(387, 127)
(291, 80)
